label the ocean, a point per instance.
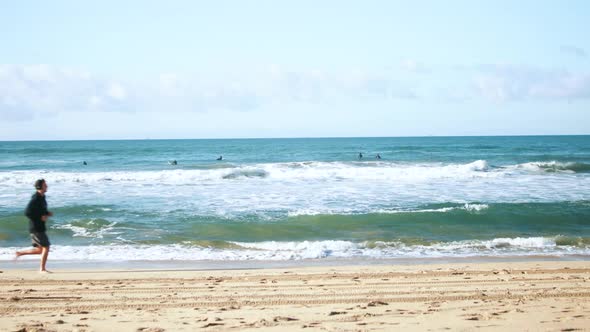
(304, 199)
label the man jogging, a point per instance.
(38, 214)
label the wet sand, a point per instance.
(507, 296)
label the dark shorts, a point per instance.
(40, 240)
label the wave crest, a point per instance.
(288, 251)
(556, 167)
(246, 173)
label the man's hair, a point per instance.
(39, 184)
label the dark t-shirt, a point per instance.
(36, 209)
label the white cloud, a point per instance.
(573, 50)
(116, 91)
(414, 66)
(27, 91)
(168, 84)
(501, 83)
(33, 90)
(569, 86)
(42, 89)
(494, 88)
(316, 86)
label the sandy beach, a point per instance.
(516, 296)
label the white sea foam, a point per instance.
(90, 230)
(475, 207)
(311, 212)
(315, 212)
(301, 188)
(551, 167)
(276, 171)
(479, 166)
(529, 242)
(282, 251)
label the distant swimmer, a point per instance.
(378, 156)
(220, 158)
(360, 155)
(173, 162)
(84, 163)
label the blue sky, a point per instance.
(221, 69)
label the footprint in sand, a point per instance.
(376, 303)
(31, 326)
(483, 316)
(211, 324)
(281, 318)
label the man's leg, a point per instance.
(44, 254)
(34, 251)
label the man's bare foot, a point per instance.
(16, 256)
(45, 271)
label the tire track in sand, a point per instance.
(358, 288)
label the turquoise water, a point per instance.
(293, 199)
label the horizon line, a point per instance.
(301, 137)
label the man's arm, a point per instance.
(34, 210)
(46, 216)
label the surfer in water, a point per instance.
(220, 158)
(360, 155)
(173, 162)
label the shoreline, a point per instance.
(507, 296)
(32, 262)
